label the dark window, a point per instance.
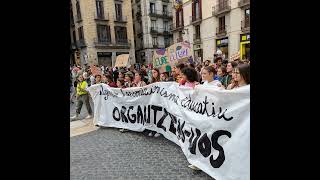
(247, 14)
(71, 17)
(196, 9)
(154, 41)
(197, 31)
(166, 41)
(247, 17)
(166, 26)
(222, 4)
(165, 9)
(74, 36)
(103, 32)
(222, 23)
(152, 8)
(100, 11)
(78, 10)
(80, 31)
(179, 18)
(118, 11)
(121, 34)
(153, 24)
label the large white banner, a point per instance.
(211, 126)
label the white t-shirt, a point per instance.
(214, 83)
(92, 79)
(85, 75)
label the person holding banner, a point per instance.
(155, 78)
(155, 75)
(120, 83)
(227, 79)
(189, 76)
(97, 79)
(164, 77)
(138, 80)
(207, 76)
(178, 77)
(128, 79)
(82, 97)
(109, 81)
(221, 72)
(241, 76)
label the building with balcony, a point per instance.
(152, 30)
(100, 31)
(212, 25)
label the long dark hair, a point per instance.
(244, 70)
(190, 73)
(158, 77)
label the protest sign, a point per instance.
(165, 58)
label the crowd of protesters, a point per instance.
(220, 74)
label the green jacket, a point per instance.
(226, 80)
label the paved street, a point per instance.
(108, 154)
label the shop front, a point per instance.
(222, 45)
(245, 46)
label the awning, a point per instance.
(122, 60)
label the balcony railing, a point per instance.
(153, 30)
(81, 43)
(101, 17)
(120, 19)
(160, 14)
(166, 31)
(196, 38)
(245, 25)
(243, 3)
(122, 42)
(78, 19)
(176, 27)
(106, 43)
(221, 31)
(159, 31)
(195, 19)
(222, 7)
(102, 42)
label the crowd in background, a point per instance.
(220, 74)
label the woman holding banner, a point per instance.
(154, 78)
(241, 76)
(190, 77)
(138, 80)
(207, 76)
(155, 75)
(227, 79)
(178, 76)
